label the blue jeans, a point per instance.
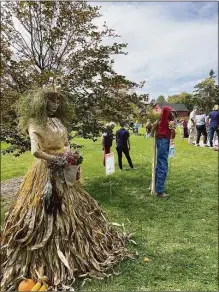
(163, 145)
(211, 134)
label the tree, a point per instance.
(185, 98)
(206, 93)
(153, 116)
(176, 98)
(59, 38)
(212, 74)
(140, 110)
(161, 99)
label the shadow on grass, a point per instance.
(120, 187)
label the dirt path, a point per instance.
(9, 189)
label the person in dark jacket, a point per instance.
(165, 131)
(213, 124)
(123, 145)
(107, 139)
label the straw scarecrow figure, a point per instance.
(54, 227)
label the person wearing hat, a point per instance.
(191, 125)
(213, 120)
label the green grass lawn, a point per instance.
(179, 234)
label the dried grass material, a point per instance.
(77, 243)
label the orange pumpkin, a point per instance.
(26, 285)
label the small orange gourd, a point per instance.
(26, 285)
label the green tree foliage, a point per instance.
(212, 74)
(206, 93)
(153, 116)
(140, 111)
(185, 98)
(59, 38)
(161, 99)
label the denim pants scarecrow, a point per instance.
(163, 145)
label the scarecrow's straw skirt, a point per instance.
(78, 242)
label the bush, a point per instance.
(153, 116)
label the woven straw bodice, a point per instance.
(51, 137)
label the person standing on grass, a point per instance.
(123, 145)
(185, 128)
(164, 131)
(213, 124)
(201, 127)
(215, 148)
(215, 139)
(191, 125)
(135, 128)
(107, 139)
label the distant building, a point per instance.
(179, 108)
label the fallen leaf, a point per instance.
(146, 260)
(116, 224)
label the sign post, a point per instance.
(154, 162)
(110, 166)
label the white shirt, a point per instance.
(191, 116)
(200, 120)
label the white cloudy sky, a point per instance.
(171, 45)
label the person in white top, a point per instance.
(191, 125)
(201, 127)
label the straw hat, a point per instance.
(216, 107)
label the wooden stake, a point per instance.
(154, 163)
(110, 188)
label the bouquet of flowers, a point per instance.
(73, 158)
(66, 159)
(66, 165)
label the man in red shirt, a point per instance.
(164, 133)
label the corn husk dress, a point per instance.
(75, 242)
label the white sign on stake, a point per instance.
(109, 163)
